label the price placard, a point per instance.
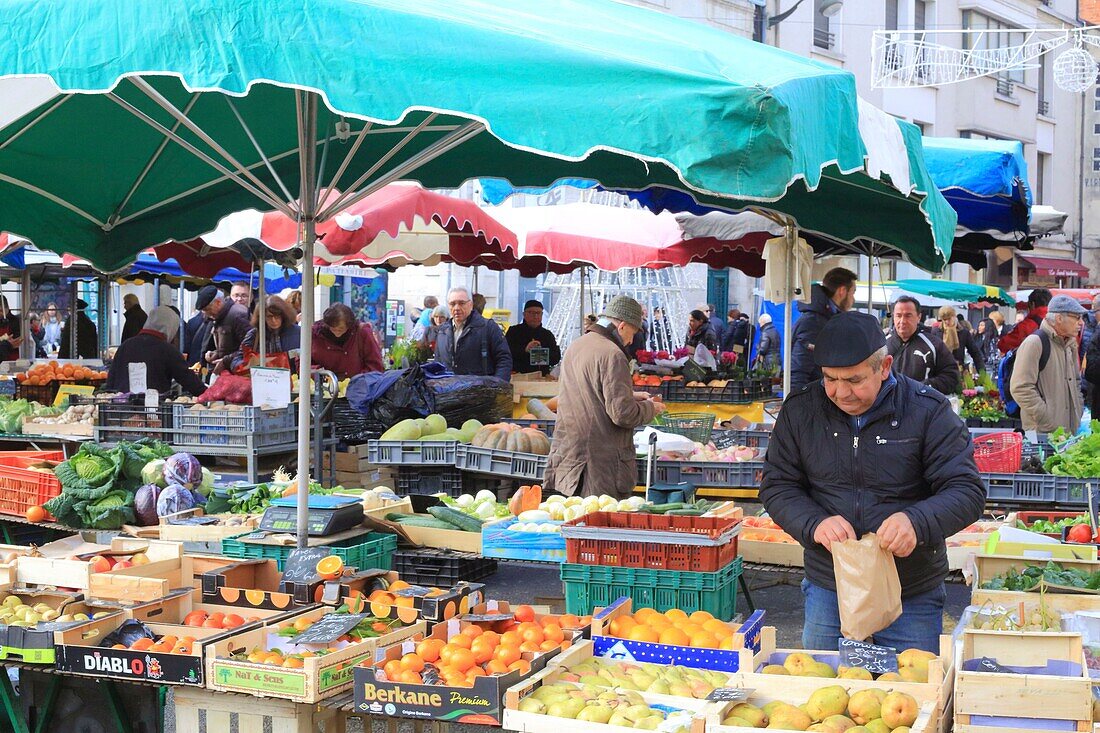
(329, 628)
(540, 356)
(270, 387)
(138, 374)
(65, 391)
(875, 659)
(730, 694)
(301, 566)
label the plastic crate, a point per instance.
(735, 475)
(441, 568)
(998, 452)
(588, 587)
(695, 426)
(373, 551)
(412, 452)
(1029, 518)
(1020, 487)
(419, 481)
(232, 427)
(652, 541)
(130, 419)
(1006, 423)
(546, 426)
(501, 462)
(1074, 491)
(22, 488)
(498, 541)
(736, 391)
(43, 394)
(758, 439)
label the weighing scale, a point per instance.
(327, 515)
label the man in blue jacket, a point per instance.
(865, 450)
(835, 294)
(469, 343)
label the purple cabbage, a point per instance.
(174, 499)
(183, 469)
(145, 504)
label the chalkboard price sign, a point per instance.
(301, 566)
(875, 659)
(730, 694)
(985, 664)
(329, 628)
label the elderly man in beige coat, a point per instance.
(1049, 394)
(593, 449)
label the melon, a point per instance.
(510, 437)
(404, 430)
(434, 424)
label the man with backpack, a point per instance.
(918, 353)
(1044, 381)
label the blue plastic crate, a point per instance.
(498, 541)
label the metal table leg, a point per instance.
(117, 708)
(10, 700)
(745, 592)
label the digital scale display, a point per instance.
(327, 515)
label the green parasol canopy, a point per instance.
(962, 292)
(437, 90)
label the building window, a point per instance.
(975, 21)
(1043, 88)
(891, 15)
(920, 15)
(1096, 128)
(1041, 165)
(823, 35)
(922, 126)
(759, 24)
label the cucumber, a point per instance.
(666, 508)
(427, 522)
(686, 512)
(457, 519)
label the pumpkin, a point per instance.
(509, 437)
(525, 498)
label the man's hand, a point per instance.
(661, 407)
(833, 529)
(211, 357)
(533, 344)
(641, 396)
(897, 536)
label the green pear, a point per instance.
(798, 662)
(754, 716)
(658, 687)
(569, 708)
(820, 669)
(854, 673)
(838, 723)
(617, 718)
(532, 705)
(596, 713)
(788, 717)
(641, 679)
(593, 679)
(877, 726)
(649, 723)
(831, 700)
(866, 705)
(733, 720)
(774, 669)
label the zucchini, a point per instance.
(686, 512)
(666, 508)
(457, 519)
(426, 522)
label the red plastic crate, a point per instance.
(998, 452)
(1029, 518)
(21, 488)
(651, 552)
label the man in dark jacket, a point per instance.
(917, 352)
(835, 294)
(866, 450)
(528, 335)
(736, 333)
(230, 324)
(196, 332)
(163, 362)
(87, 335)
(133, 315)
(469, 343)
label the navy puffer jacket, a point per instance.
(811, 319)
(912, 455)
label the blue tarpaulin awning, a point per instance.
(985, 181)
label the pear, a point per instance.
(820, 669)
(771, 707)
(569, 708)
(838, 723)
(101, 614)
(50, 615)
(617, 718)
(916, 659)
(597, 680)
(788, 717)
(898, 709)
(774, 669)
(890, 677)
(649, 723)
(718, 679)
(914, 674)
(855, 673)
(733, 720)
(81, 617)
(658, 687)
(798, 662)
(866, 705)
(832, 700)
(877, 726)
(532, 705)
(753, 715)
(596, 713)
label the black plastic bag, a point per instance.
(466, 397)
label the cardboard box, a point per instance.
(319, 678)
(258, 584)
(441, 606)
(451, 539)
(481, 704)
(34, 645)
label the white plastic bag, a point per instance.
(666, 442)
(704, 358)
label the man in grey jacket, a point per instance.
(918, 353)
(1045, 376)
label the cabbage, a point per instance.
(175, 498)
(145, 504)
(153, 473)
(184, 469)
(207, 484)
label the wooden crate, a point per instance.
(753, 547)
(989, 566)
(167, 568)
(774, 689)
(71, 430)
(319, 678)
(936, 691)
(517, 720)
(169, 532)
(278, 716)
(452, 539)
(1034, 697)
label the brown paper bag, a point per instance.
(867, 587)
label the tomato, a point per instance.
(1079, 533)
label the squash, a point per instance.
(525, 499)
(540, 409)
(552, 403)
(509, 437)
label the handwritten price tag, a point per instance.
(875, 659)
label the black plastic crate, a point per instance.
(1021, 488)
(441, 568)
(427, 480)
(736, 391)
(734, 475)
(130, 419)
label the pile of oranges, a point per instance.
(276, 658)
(44, 373)
(167, 644)
(700, 629)
(216, 620)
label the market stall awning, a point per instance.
(1054, 266)
(956, 292)
(985, 181)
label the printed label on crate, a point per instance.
(283, 682)
(475, 705)
(301, 564)
(473, 617)
(730, 694)
(330, 628)
(340, 674)
(126, 664)
(875, 659)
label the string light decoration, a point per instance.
(910, 58)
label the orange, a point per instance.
(392, 669)
(330, 568)
(554, 633)
(643, 633)
(511, 638)
(274, 658)
(491, 638)
(475, 671)
(36, 514)
(409, 677)
(674, 636)
(524, 613)
(473, 631)
(701, 617)
(429, 649)
(675, 614)
(703, 640)
(726, 643)
(212, 623)
(232, 621)
(381, 596)
(412, 662)
(461, 640)
(659, 623)
(168, 640)
(142, 644)
(690, 629)
(483, 651)
(184, 647)
(398, 585)
(530, 646)
(718, 628)
(621, 625)
(302, 624)
(548, 645)
(195, 618)
(405, 602)
(293, 663)
(495, 666)
(643, 614)
(522, 665)
(569, 621)
(462, 660)
(532, 633)
(507, 654)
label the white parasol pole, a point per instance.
(792, 241)
(581, 299)
(307, 211)
(261, 316)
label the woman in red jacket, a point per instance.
(1036, 311)
(343, 345)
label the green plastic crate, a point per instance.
(373, 552)
(588, 587)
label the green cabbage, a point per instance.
(92, 466)
(153, 473)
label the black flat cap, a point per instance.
(848, 339)
(205, 297)
(532, 304)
